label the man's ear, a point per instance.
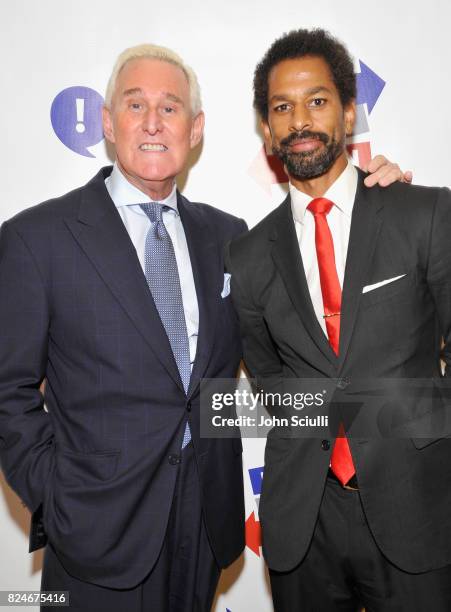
(197, 129)
(350, 115)
(107, 122)
(267, 136)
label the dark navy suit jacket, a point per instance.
(98, 469)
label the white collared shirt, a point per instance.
(342, 194)
(127, 199)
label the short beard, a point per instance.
(306, 165)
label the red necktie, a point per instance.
(341, 461)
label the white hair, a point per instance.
(159, 53)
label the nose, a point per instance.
(152, 122)
(300, 119)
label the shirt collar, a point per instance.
(341, 193)
(123, 193)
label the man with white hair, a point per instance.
(114, 293)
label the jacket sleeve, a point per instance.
(439, 270)
(26, 435)
(259, 351)
(438, 276)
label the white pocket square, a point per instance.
(226, 289)
(381, 283)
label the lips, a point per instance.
(307, 144)
(304, 141)
(153, 147)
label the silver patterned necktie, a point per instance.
(162, 276)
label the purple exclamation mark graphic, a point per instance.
(76, 116)
(80, 103)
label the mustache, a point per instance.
(304, 135)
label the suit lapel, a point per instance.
(288, 260)
(365, 226)
(204, 255)
(101, 234)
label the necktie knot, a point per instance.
(154, 210)
(320, 206)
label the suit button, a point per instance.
(188, 407)
(342, 383)
(325, 445)
(174, 459)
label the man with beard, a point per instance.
(345, 283)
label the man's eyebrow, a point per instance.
(314, 90)
(175, 98)
(138, 91)
(308, 92)
(132, 92)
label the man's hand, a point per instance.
(385, 172)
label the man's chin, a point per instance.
(156, 175)
(307, 173)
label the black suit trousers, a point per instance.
(345, 571)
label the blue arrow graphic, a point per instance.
(369, 86)
(256, 476)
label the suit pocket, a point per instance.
(78, 478)
(389, 291)
(421, 443)
(82, 488)
(75, 468)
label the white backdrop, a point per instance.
(51, 45)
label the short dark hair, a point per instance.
(301, 43)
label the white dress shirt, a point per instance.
(342, 194)
(127, 198)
